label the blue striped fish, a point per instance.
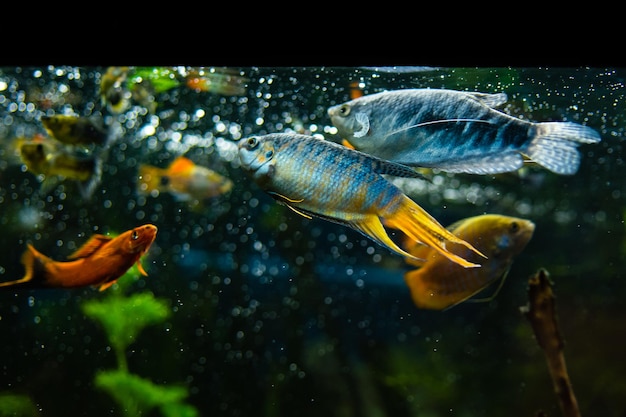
(456, 131)
(318, 178)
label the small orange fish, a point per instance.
(99, 262)
(185, 180)
(220, 81)
(356, 90)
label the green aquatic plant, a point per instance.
(138, 396)
(16, 405)
(123, 318)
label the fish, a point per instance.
(437, 284)
(319, 178)
(53, 162)
(222, 81)
(76, 130)
(184, 179)
(113, 92)
(97, 263)
(456, 131)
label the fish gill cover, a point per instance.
(272, 313)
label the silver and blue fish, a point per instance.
(456, 131)
(318, 178)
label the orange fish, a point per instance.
(356, 90)
(99, 262)
(185, 180)
(220, 81)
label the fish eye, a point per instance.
(134, 235)
(252, 142)
(344, 110)
(514, 227)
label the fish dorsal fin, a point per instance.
(490, 100)
(395, 169)
(94, 243)
(181, 165)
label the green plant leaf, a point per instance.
(124, 317)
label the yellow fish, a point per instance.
(316, 177)
(185, 180)
(76, 130)
(113, 93)
(52, 161)
(438, 284)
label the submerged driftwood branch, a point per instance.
(541, 313)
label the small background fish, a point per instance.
(185, 180)
(456, 131)
(439, 284)
(53, 163)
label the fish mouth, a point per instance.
(148, 234)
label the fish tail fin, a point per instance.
(420, 226)
(114, 132)
(373, 228)
(554, 145)
(149, 179)
(88, 186)
(32, 266)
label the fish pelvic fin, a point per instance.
(554, 145)
(420, 226)
(106, 285)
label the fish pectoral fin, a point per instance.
(94, 243)
(347, 144)
(140, 269)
